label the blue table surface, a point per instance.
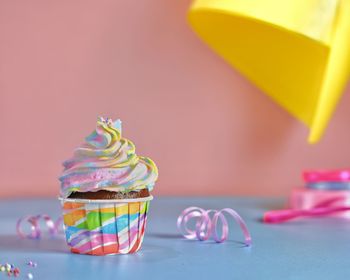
(302, 249)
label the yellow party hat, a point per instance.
(297, 51)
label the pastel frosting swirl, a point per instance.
(106, 161)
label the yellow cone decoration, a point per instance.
(297, 51)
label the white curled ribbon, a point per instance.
(207, 226)
(35, 231)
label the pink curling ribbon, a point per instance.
(205, 226)
(314, 176)
(323, 208)
(53, 228)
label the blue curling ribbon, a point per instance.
(329, 186)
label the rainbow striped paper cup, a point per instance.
(105, 227)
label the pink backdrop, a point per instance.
(210, 131)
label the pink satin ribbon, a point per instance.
(323, 208)
(35, 231)
(207, 226)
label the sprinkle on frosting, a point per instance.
(106, 161)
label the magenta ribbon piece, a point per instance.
(324, 208)
(35, 232)
(207, 226)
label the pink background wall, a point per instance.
(62, 63)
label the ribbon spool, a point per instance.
(316, 176)
(323, 208)
(205, 226)
(336, 180)
(53, 228)
(296, 51)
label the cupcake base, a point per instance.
(103, 194)
(105, 226)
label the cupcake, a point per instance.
(105, 193)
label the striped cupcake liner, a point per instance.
(105, 227)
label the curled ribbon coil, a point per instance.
(35, 232)
(206, 224)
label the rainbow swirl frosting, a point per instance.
(106, 161)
